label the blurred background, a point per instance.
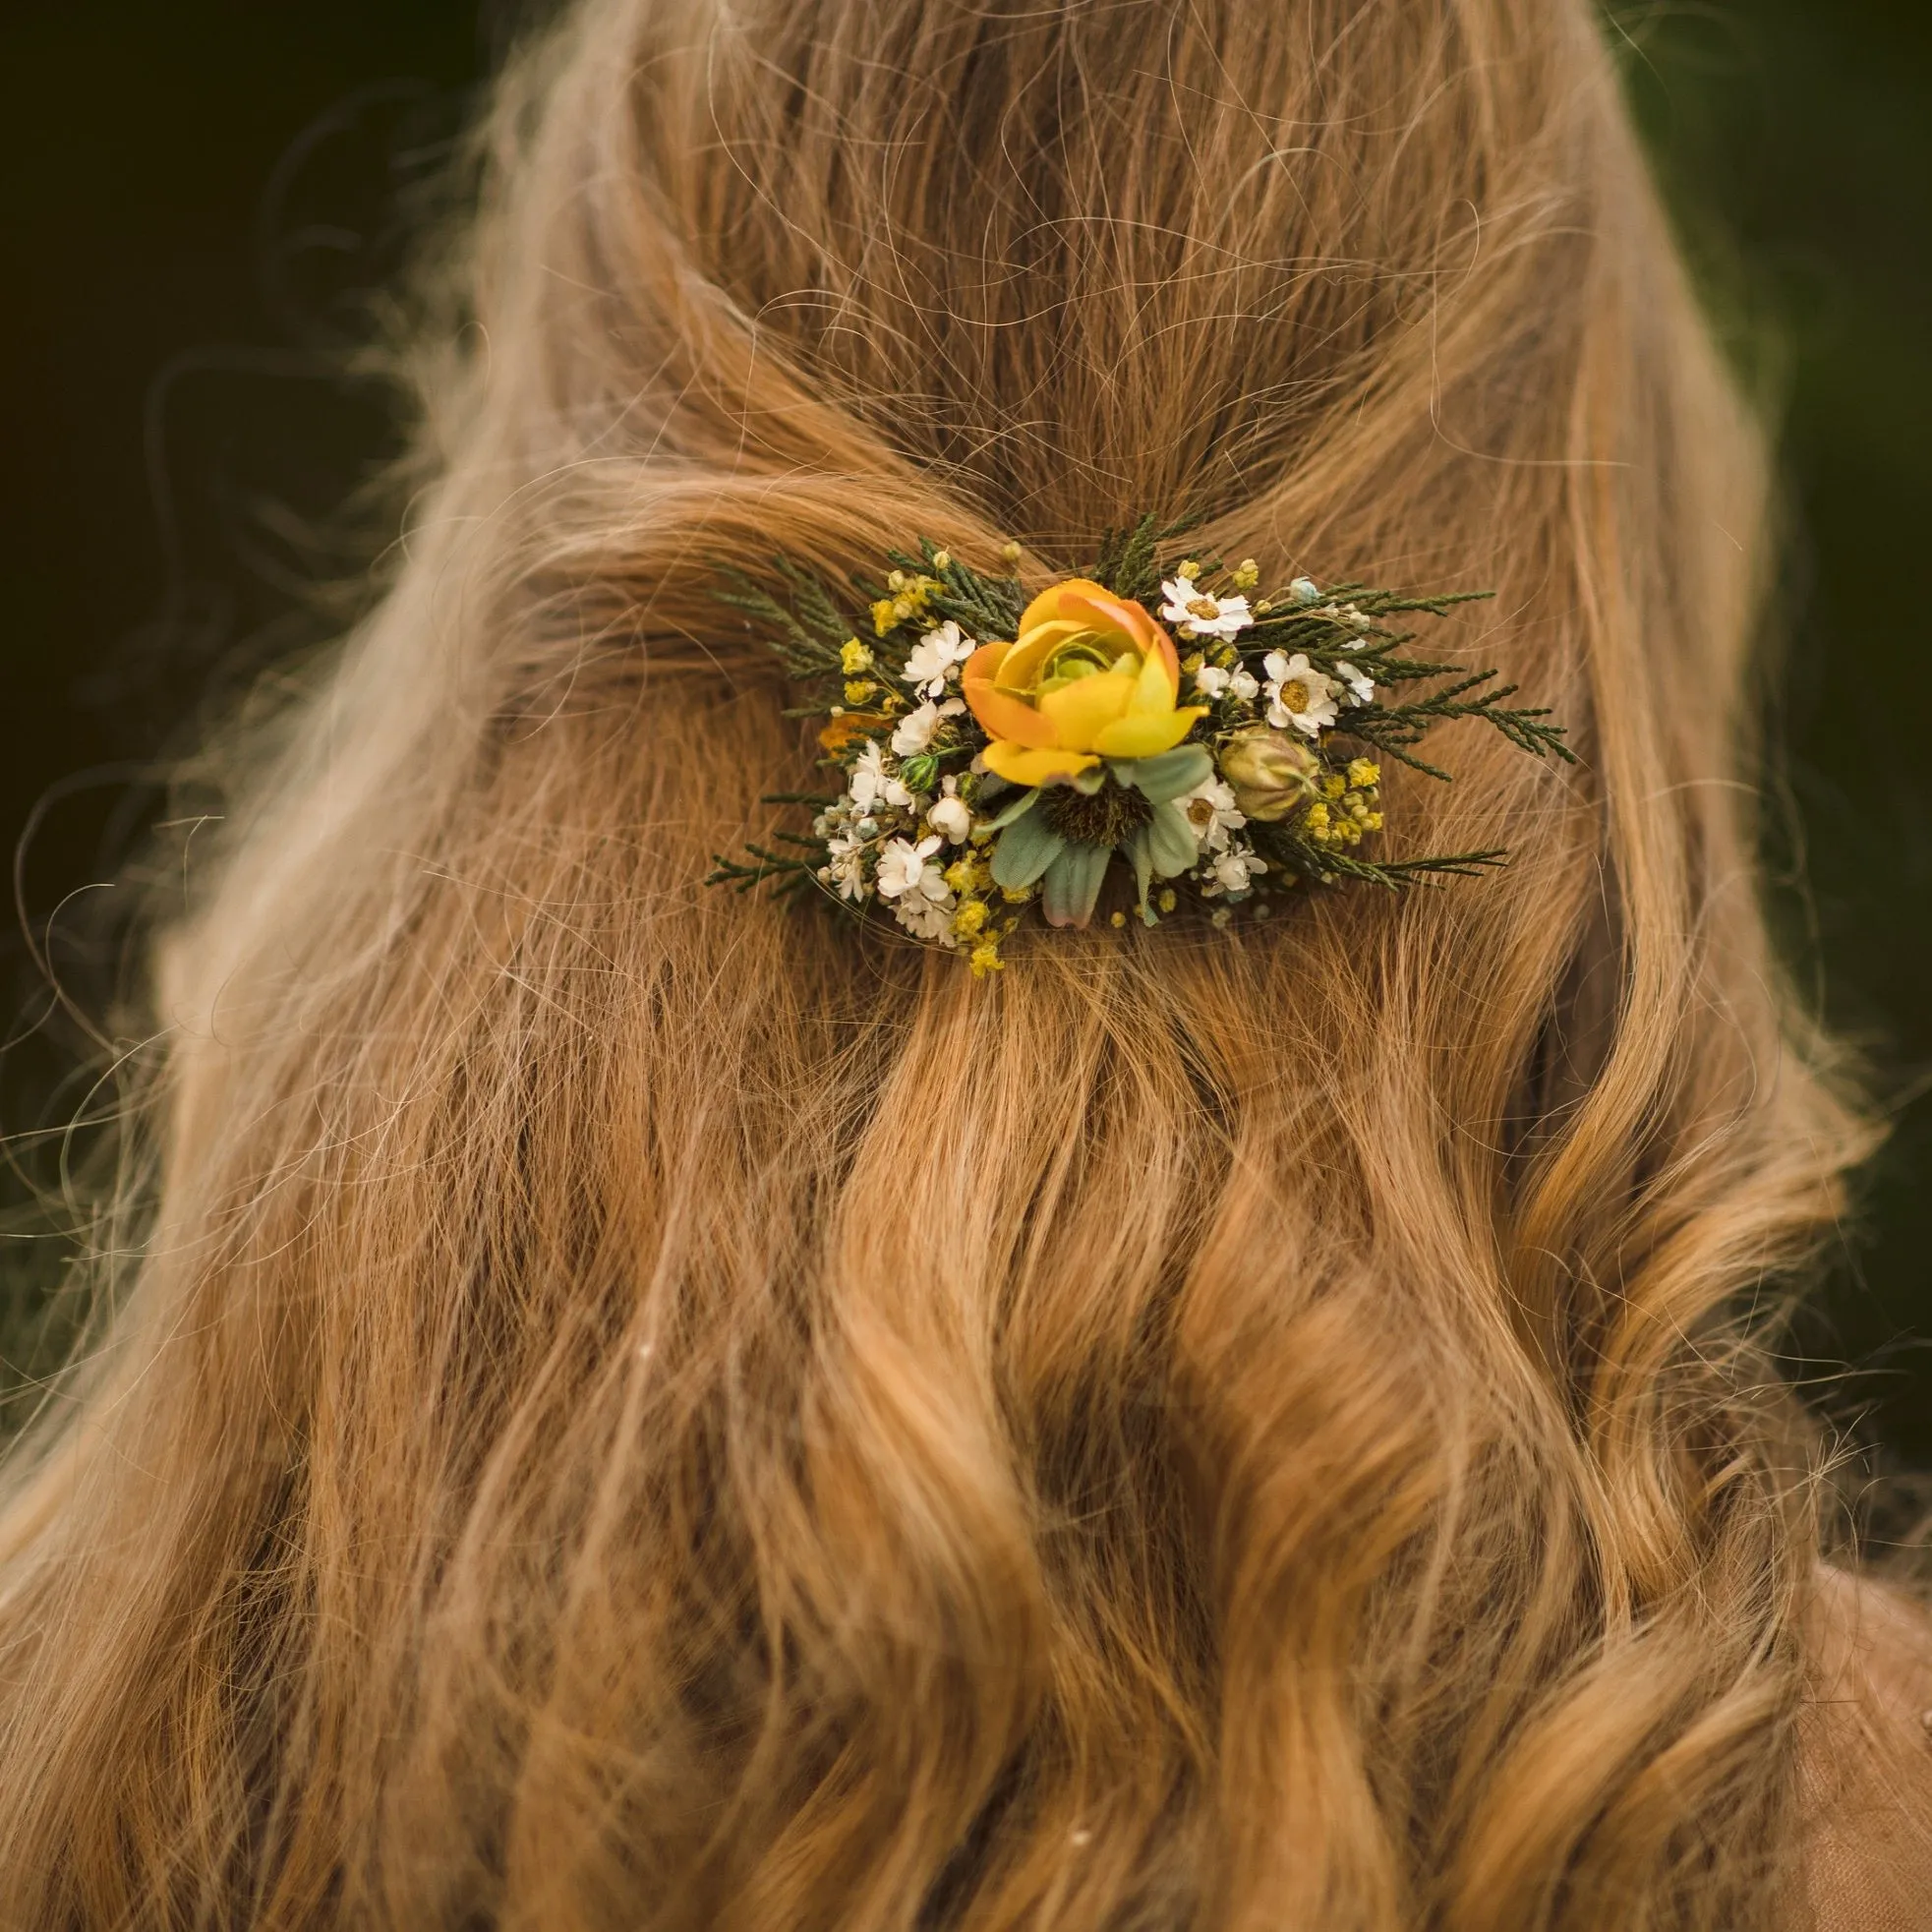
(202, 199)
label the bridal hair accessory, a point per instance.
(1159, 729)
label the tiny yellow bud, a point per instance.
(858, 689)
(1167, 899)
(1010, 550)
(1189, 568)
(942, 559)
(1247, 573)
(896, 581)
(1116, 918)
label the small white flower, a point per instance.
(1361, 686)
(950, 815)
(926, 919)
(904, 867)
(921, 899)
(1211, 813)
(1237, 868)
(1196, 615)
(1213, 682)
(872, 785)
(846, 870)
(936, 659)
(914, 732)
(1298, 694)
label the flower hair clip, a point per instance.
(1157, 736)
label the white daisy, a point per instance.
(872, 785)
(1196, 615)
(935, 659)
(950, 815)
(1298, 694)
(1211, 813)
(914, 732)
(1361, 686)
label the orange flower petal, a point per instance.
(1003, 717)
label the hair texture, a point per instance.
(625, 1406)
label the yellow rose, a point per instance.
(1091, 676)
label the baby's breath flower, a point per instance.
(985, 959)
(858, 689)
(855, 657)
(968, 873)
(1364, 773)
(970, 921)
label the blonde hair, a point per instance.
(631, 1407)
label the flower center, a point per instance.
(1205, 608)
(1201, 813)
(1101, 818)
(1294, 695)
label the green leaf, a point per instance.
(1071, 883)
(1170, 841)
(1168, 773)
(1015, 808)
(1138, 854)
(1026, 849)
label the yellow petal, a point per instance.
(1154, 689)
(1145, 732)
(1079, 711)
(1027, 765)
(1022, 666)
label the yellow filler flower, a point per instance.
(1091, 676)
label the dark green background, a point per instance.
(198, 195)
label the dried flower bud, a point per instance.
(1271, 773)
